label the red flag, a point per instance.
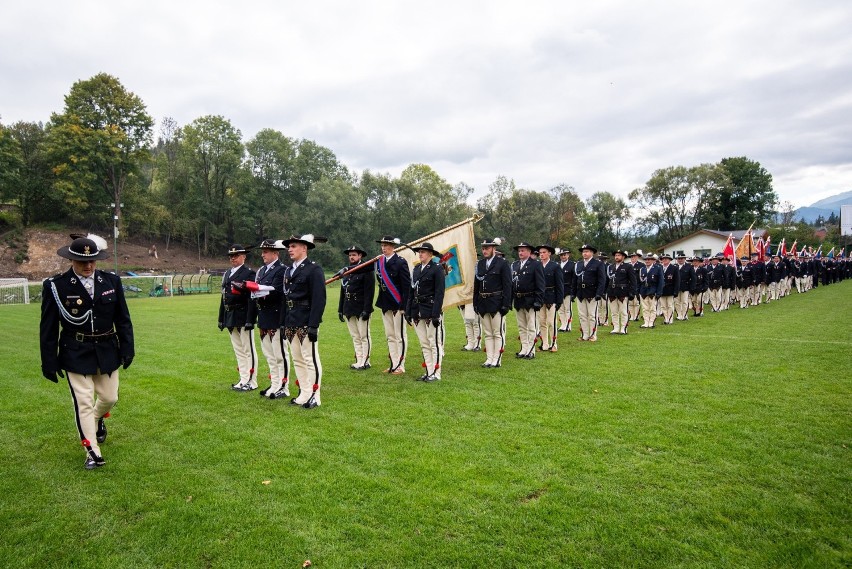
(760, 248)
(793, 248)
(728, 251)
(782, 249)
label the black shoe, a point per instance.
(431, 378)
(263, 391)
(280, 394)
(310, 404)
(93, 463)
(422, 377)
(486, 365)
(101, 433)
(366, 366)
(293, 402)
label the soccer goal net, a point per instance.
(140, 285)
(14, 291)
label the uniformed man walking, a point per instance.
(591, 287)
(687, 273)
(568, 284)
(671, 288)
(650, 289)
(267, 293)
(394, 280)
(425, 309)
(528, 295)
(356, 305)
(304, 303)
(699, 286)
(634, 305)
(554, 294)
(622, 289)
(492, 300)
(233, 315)
(86, 333)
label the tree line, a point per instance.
(202, 185)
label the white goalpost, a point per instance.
(14, 291)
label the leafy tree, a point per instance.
(674, 201)
(749, 198)
(606, 214)
(567, 222)
(213, 151)
(499, 190)
(33, 191)
(102, 136)
(524, 215)
(11, 164)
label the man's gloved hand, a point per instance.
(657, 296)
(52, 375)
(313, 334)
(597, 298)
(125, 362)
(536, 306)
(436, 322)
(631, 297)
(504, 311)
(340, 317)
(364, 316)
(221, 326)
(249, 326)
(340, 272)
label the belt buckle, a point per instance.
(289, 304)
(79, 336)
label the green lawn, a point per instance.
(718, 442)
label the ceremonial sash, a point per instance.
(388, 282)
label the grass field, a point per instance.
(717, 442)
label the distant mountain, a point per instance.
(824, 207)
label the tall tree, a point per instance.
(33, 190)
(214, 152)
(567, 221)
(606, 214)
(749, 198)
(100, 139)
(674, 201)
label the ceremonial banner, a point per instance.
(458, 259)
(746, 247)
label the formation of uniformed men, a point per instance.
(540, 288)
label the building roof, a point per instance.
(723, 235)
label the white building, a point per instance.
(708, 242)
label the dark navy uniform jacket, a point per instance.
(233, 308)
(717, 276)
(651, 280)
(758, 269)
(622, 281)
(266, 310)
(527, 284)
(97, 345)
(304, 296)
(426, 297)
(591, 279)
(671, 280)
(393, 295)
(730, 276)
(569, 279)
(356, 291)
(492, 287)
(699, 280)
(745, 276)
(687, 273)
(554, 285)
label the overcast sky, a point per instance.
(596, 95)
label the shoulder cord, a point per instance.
(65, 315)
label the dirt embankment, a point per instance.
(42, 260)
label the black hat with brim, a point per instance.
(237, 249)
(308, 239)
(83, 249)
(493, 242)
(354, 249)
(587, 247)
(666, 256)
(276, 244)
(389, 240)
(427, 247)
(550, 248)
(525, 245)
